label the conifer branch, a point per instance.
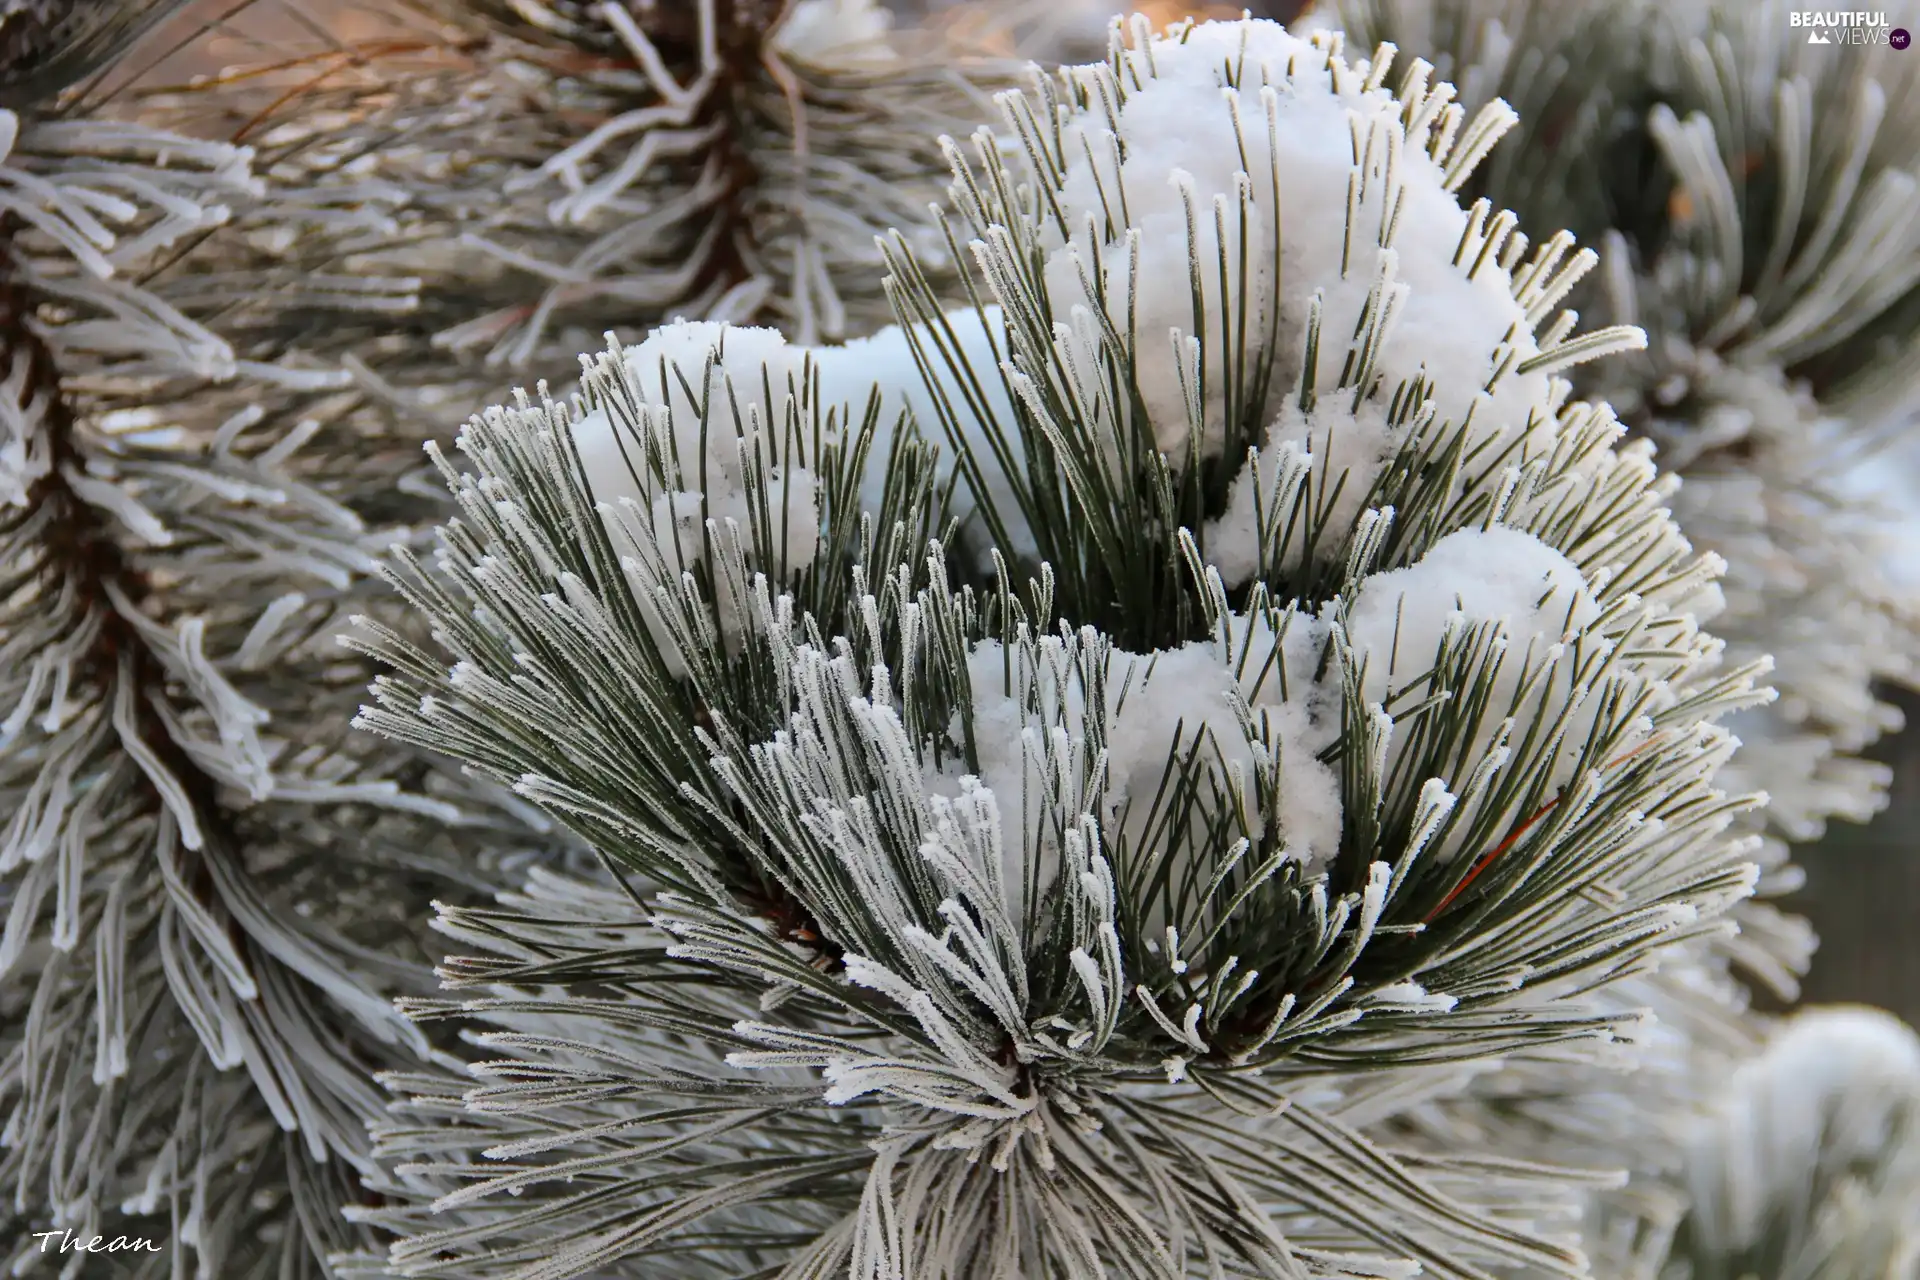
(1146, 802)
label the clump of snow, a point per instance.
(837, 35)
(1234, 143)
(1341, 448)
(1399, 617)
(1279, 694)
(1831, 1095)
(1536, 597)
(752, 378)
(886, 360)
(734, 367)
(1308, 800)
(732, 386)
(714, 404)
(1289, 676)
(1193, 143)
(1184, 692)
(1189, 700)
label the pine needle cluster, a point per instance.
(1752, 193)
(1069, 762)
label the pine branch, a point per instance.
(1808, 1166)
(1745, 190)
(1305, 694)
(210, 889)
(71, 554)
(46, 46)
(571, 168)
(1729, 173)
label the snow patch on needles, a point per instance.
(1232, 241)
(717, 404)
(708, 465)
(1506, 598)
(839, 35)
(1161, 712)
(1239, 142)
(961, 387)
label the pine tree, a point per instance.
(1071, 764)
(224, 362)
(1156, 723)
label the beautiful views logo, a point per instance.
(1844, 26)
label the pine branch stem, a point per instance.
(80, 547)
(743, 28)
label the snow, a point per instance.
(887, 360)
(1153, 703)
(1470, 576)
(837, 35)
(1535, 595)
(734, 366)
(1182, 153)
(1344, 447)
(685, 490)
(1297, 718)
(1824, 1098)
(1308, 802)
(731, 371)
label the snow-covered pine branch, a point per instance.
(1055, 755)
(1748, 195)
(1748, 192)
(1810, 1164)
(1754, 201)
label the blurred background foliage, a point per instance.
(1862, 886)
